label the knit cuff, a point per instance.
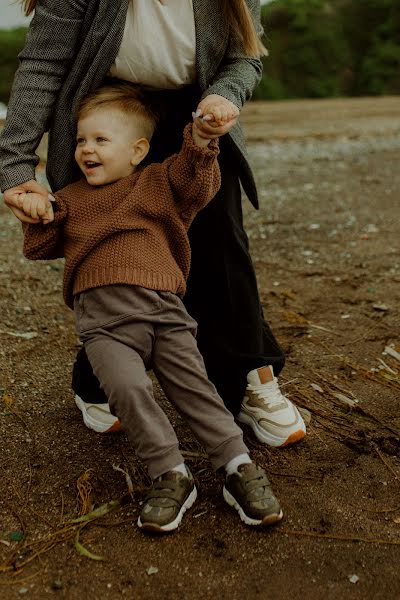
(59, 209)
(201, 156)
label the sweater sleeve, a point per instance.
(50, 46)
(194, 175)
(238, 74)
(45, 242)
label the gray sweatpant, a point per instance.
(128, 330)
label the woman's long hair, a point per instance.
(28, 6)
(237, 16)
(241, 24)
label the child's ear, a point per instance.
(139, 151)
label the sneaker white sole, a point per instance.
(267, 520)
(176, 522)
(93, 423)
(268, 438)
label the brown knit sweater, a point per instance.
(133, 231)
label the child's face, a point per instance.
(106, 146)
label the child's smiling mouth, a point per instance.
(91, 165)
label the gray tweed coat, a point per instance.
(69, 49)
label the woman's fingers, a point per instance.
(34, 186)
(217, 104)
(29, 202)
(212, 129)
(11, 196)
(22, 216)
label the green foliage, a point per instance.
(318, 49)
(374, 43)
(325, 48)
(11, 43)
(380, 67)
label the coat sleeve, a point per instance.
(50, 46)
(46, 242)
(238, 74)
(194, 175)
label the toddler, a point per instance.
(122, 229)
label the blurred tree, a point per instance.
(308, 51)
(321, 48)
(318, 48)
(373, 30)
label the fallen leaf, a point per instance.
(292, 317)
(83, 551)
(345, 399)
(317, 388)
(392, 352)
(7, 400)
(97, 512)
(127, 478)
(26, 335)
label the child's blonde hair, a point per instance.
(237, 15)
(124, 97)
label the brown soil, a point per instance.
(326, 248)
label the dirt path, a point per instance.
(326, 247)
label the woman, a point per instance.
(183, 51)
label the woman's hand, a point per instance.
(215, 116)
(26, 208)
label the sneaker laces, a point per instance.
(269, 392)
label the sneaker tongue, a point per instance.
(260, 376)
(244, 467)
(171, 476)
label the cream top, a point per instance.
(158, 48)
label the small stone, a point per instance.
(371, 228)
(353, 578)
(380, 306)
(57, 584)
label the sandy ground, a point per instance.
(326, 248)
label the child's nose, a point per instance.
(88, 148)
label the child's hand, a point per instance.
(36, 206)
(198, 138)
(215, 116)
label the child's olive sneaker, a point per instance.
(249, 491)
(168, 500)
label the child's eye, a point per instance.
(101, 139)
(80, 140)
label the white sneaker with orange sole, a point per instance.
(98, 416)
(274, 419)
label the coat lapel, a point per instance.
(211, 39)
